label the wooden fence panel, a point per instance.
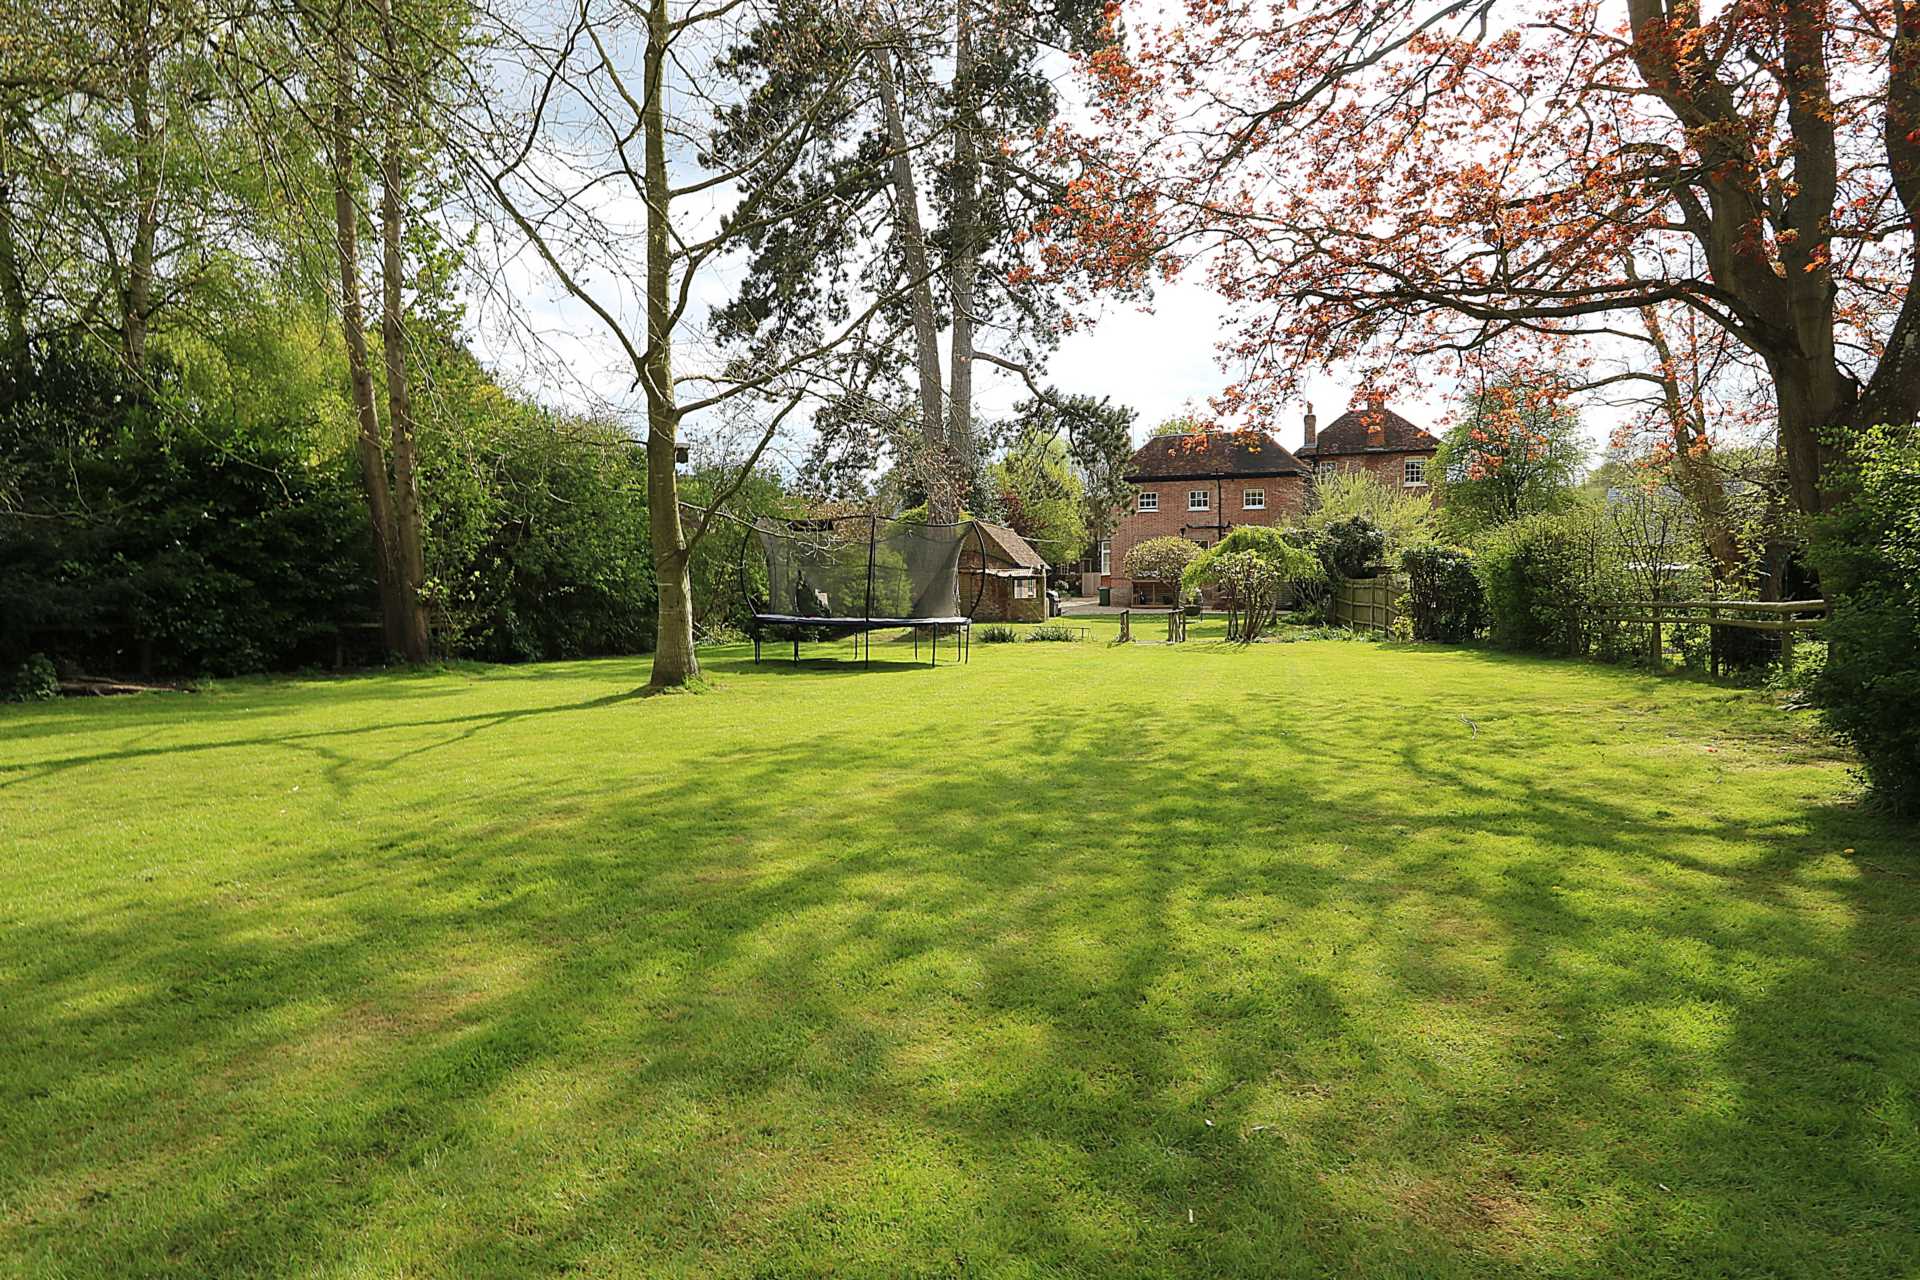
(1365, 604)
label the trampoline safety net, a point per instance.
(862, 567)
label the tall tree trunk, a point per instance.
(942, 500)
(137, 299)
(966, 244)
(674, 659)
(410, 558)
(13, 294)
(373, 454)
(1812, 397)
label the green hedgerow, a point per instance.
(1868, 553)
(1444, 594)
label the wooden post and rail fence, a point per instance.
(1786, 618)
(1367, 604)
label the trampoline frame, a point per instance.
(961, 624)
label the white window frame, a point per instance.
(1199, 500)
(1408, 476)
(1023, 589)
(1326, 467)
(1149, 501)
(1253, 499)
(1106, 556)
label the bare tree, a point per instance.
(619, 103)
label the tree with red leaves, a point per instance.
(1387, 181)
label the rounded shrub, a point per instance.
(35, 680)
(1351, 548)
(1444, 596)
(1546, 578)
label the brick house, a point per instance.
(1371, 437)
(1015, 586)
(1198, 487)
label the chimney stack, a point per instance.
(1376, 400)
(1312, 423)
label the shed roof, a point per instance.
(1004, 544)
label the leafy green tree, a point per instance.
(1516, 452)
(1098, 435)
(1250, 568)
(1042, 496)
(1404, 519)
(1181, 424)
(1162, 560)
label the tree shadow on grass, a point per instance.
(467, 726)
(1302, 1005)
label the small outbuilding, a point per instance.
(1015, 589)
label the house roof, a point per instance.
(1209, 455)
(1004, 544)
(1370, 430)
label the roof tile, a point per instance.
(1370, 430)
(1212, 454)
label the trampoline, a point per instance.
(855, 575)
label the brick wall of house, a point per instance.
(1388, 468)
(1286, 499)
(999, 601)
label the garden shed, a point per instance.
(1015, 586)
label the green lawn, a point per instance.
(1318, 958)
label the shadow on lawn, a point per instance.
(980, 1016)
